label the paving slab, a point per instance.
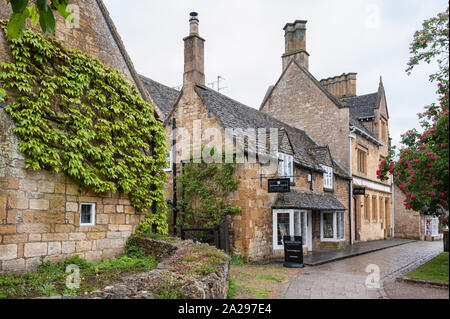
(319, 258)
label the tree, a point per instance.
(421, 167)
(41, 11)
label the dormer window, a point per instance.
(327, 177)
(286, 166)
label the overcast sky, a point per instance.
(245, 41)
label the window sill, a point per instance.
(329, 190)
(332, 240)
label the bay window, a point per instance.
(332, 226)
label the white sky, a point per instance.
(245, 41)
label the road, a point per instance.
(365, 276)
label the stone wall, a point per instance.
(168, 274)
(40, 214)
(407, 222)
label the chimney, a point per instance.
(193, 54)
(341, 86)
(295, 44)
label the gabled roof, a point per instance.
(162, 95)
(314, 80)
(232, 114)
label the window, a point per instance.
(169, 160)
(383, 128)
(332, 226)
(374, 208)
(289, 223)
(327, 177)
(87, 214)
(362, 161)
(366, 208)
(286, 166)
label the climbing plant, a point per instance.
(74, 115)
(206, 188)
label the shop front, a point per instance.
(319, 219)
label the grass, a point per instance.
(50, 280)
(200, 260)
(435, 270)
(249, 281)
(236, 260)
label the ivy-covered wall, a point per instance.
(40, 210)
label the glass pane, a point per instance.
(327, 225)
(86, 214)
(281, 165)
(282, 227)
(340, 226)
(304, 227)
(297, 224)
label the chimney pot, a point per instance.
(193, 54)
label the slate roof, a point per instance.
(362, 106)
(302, 200)
(232, 114)
(162, 95)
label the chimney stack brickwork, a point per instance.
(295, 44)
(341, 86)
(194, 47)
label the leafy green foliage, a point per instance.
(75, 115)
(42, 11)
(236, 260)
(49, 280)
(421, 168)
(206, 188)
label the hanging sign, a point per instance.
(280, 185)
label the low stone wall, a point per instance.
(169, 280)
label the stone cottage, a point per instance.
(317, 205)
(40, 212)
(354, 127)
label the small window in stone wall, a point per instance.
(87, 214)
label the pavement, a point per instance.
(368, 276)
(319, 258)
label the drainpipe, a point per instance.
(174, 175)
(351, 136)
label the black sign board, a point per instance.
(280, 185)
(359, 191)
(293, 252)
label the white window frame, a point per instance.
(335, 216)
(283, 166)
(327, 177)
(291, 212)
(168, 169)
(92, 223)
